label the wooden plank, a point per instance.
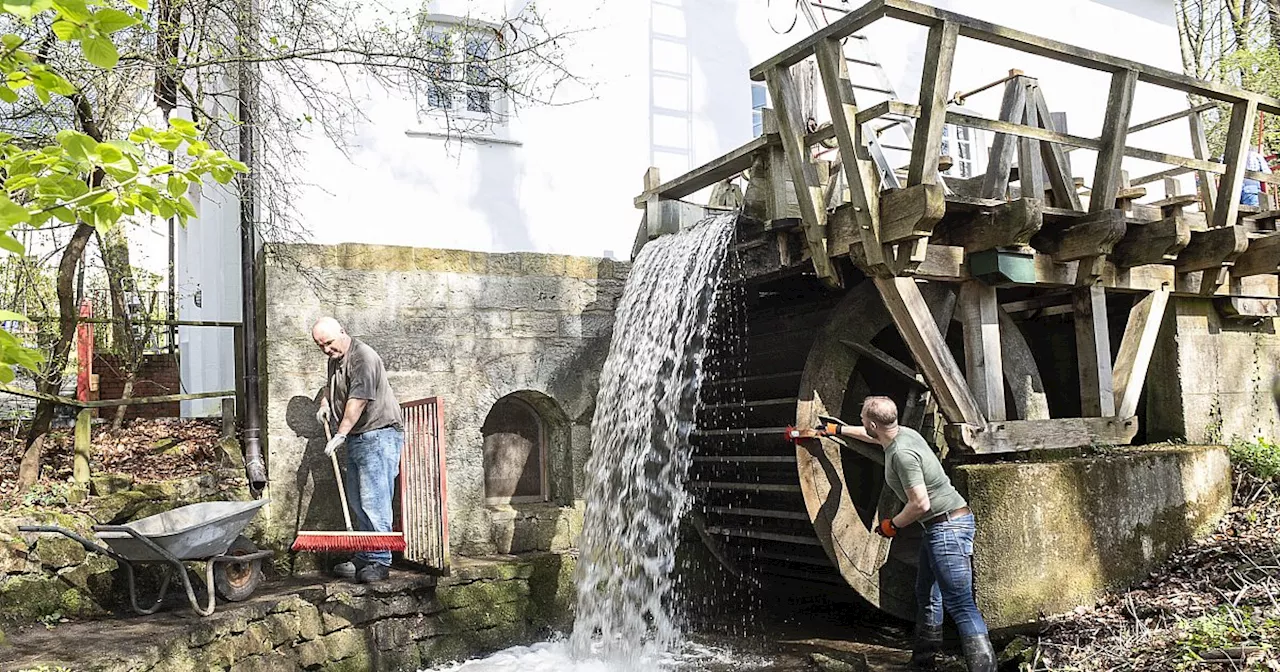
(1159, 121)
(935, 88)
(716, 170)
(996, 182)
(1024, 435)
(846, 25)
(1021, 130)
(1009, 224)
(1031, 174)
(1115, 127)
(834, 71)
(915, 323)
(1261, 258)
(1213, 249)
(1093, 352)
(1200, 150)
(910, 213)
(1139, 341)
(1154, 243)
(920, 13)
(1054, 157)
(83, 446)
(1092, 236)
(888, 107)
(804, 174)
(886, 361)
(1227, 202)
(980, 317)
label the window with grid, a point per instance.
(467, 82)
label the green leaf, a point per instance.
(185, 207)
(110, 20)
(10, 316)
(25, 9)
(77, 145)
(65, 215)
(6, 374)
(11, 213)
(20, 181)
(140, 4)
(161, 170)
(176, 186)
(8, 95)
(11, 244)
(11, 41)
(101, 52)
(43, 95)
(181, 125)
(65, 30)
(74, 10)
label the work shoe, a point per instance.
(374, 572)
(925, 648)
(345, 570)
(978, 654)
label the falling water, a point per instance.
(635, 492)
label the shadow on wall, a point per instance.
(497, 196)
(319, 506)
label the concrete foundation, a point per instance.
(469, 327)
(1210, 377)
(1056, 534)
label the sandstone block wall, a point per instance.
(1210, 378)
(1056, 534)
(468, 327)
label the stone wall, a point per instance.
(1056, 534)
(1210, 378)
(469, 327)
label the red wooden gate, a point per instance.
(424, 516)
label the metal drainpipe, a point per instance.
(255, 467)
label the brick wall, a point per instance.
(158, 376)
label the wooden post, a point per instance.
(83, 446)
(1115, 131)
(1200, 150)
(928, 347)
(1093, 352)
(1140, 332)
(996, 182)
(804, 174)
(935, 82)
(984, 365)
(1054, 157)
(228, 418)
(1030, 168)
(844, 112)
(1237, 153)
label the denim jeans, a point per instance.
(373, 462)
(1249, 198)
(944, 579)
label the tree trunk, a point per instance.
(121, 286)
(51, 382)
(1273, 16)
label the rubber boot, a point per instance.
(978, 654)
(924, 650)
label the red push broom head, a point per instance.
(349, 541)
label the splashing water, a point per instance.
(640, 452)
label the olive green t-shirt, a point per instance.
(909, 462)
(361, 375)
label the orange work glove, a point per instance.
(887, 529)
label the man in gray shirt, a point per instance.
(944, 578)
(358, 397)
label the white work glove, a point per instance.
(334, 444)
(322, 414)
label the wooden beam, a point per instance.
(804, 174)
(1009, 224)
(1054, 157)
(716, 170)
(1261, 258)
(1158, 121)
(935, 88)
(984, 367)
(1093, 352)
(1200, 150)
(834, 70)
(1236, 154)
(1024, 435)
(1139, 341)
(1031, 172)
(1115, 128)
(996, 182)
(886, 361)
(1091, 236)
(1213, 249)
(910, 213)
(1153, 243)
(928, 347)
(844, 26)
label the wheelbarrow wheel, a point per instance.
(236, 581)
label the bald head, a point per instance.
(880, 418)
(331, 338)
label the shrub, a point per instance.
(1260, 458)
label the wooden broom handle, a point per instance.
(337, 475)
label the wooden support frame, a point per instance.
(1031, 170)
(984, 365)
(935, 84)
(911, 316)
(804, 174)
(1093, 352)
(1200, 150)
(1054, 156)
(1012, 109)
(1024, 435)
(1227, 203)
(1115, 131)
(1129, 373)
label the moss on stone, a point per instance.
(482, 592)
(31, 597)
(58, 552)
(110, 483)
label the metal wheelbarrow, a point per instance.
(207, 532)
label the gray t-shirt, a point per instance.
(361, 375)
(909, 462)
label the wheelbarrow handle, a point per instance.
(89, 545)
(145, 540)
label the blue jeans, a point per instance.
(373, 462)
(1249, 198)
(944, 579)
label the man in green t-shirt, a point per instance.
(944, 578)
